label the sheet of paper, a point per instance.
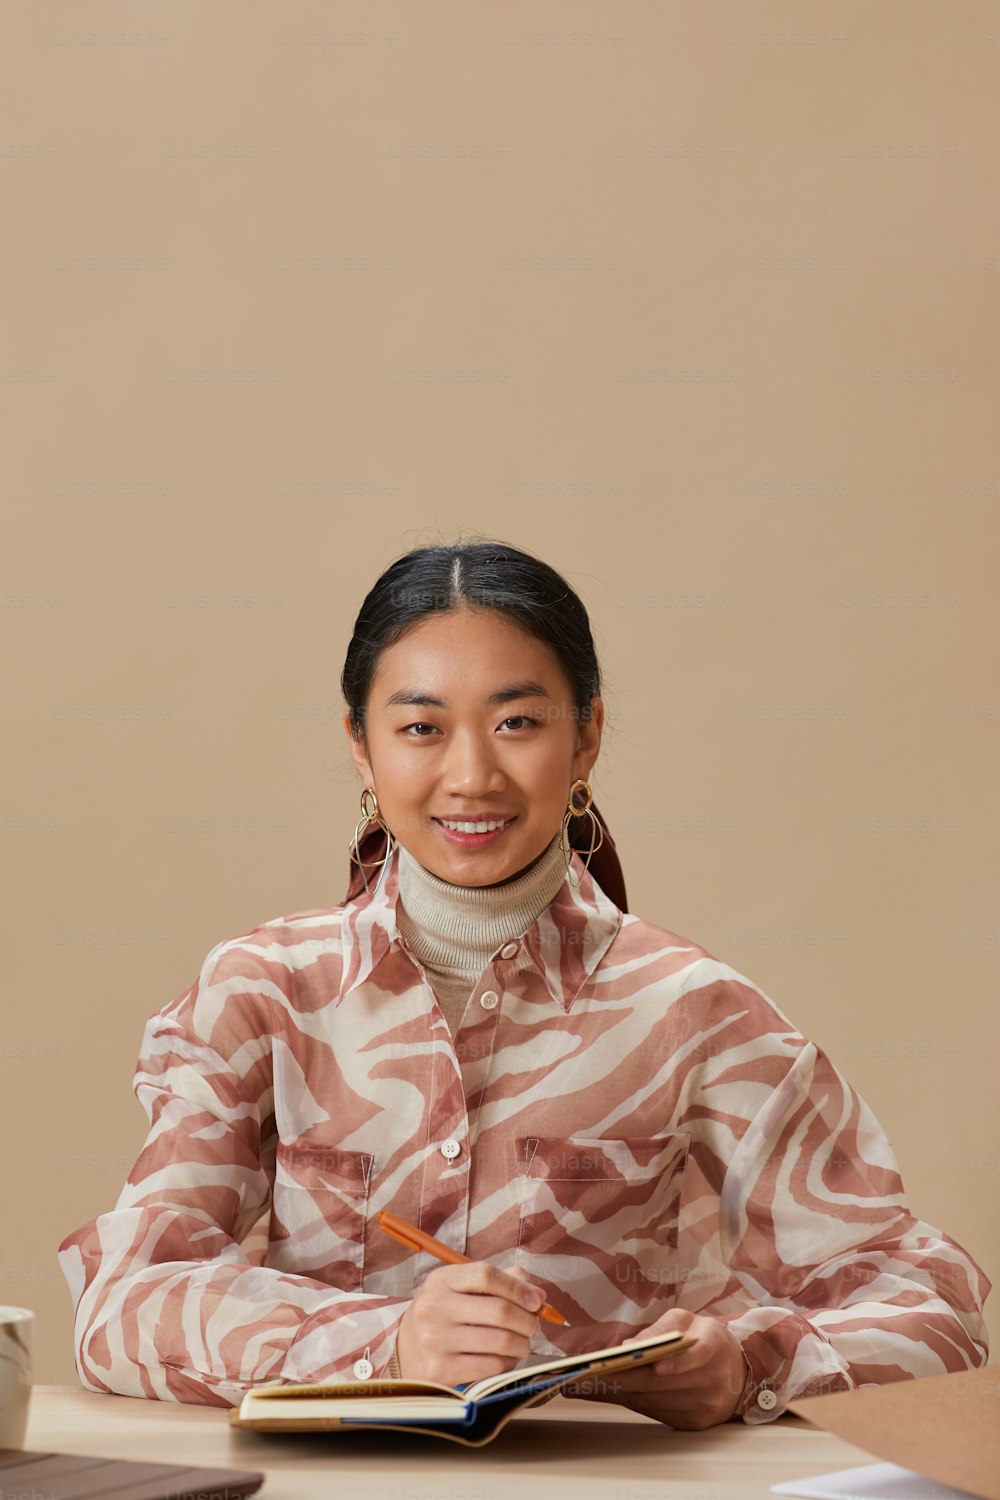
(870, 1482)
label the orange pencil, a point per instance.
(415, 1239)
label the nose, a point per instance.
(471, 768)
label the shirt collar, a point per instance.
(565, 943)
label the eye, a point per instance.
(518, 720)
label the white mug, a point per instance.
(16, 1335)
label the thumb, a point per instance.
(674, 1320)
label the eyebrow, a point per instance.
(507, 694)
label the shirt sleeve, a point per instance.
(827, 1280)
(170, 1300)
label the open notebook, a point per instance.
(473, 1415)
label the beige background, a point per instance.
(696, 301)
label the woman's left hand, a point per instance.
(698, 1389)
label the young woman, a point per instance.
(483, 1040)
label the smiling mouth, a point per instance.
(470, 825)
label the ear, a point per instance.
(588, 741)
(361, 762)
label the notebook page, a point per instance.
(491, 1383)
(870, 1482)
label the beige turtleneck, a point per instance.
(454, 930)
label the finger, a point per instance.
(478, 1310)
(674, 1320)
(486, 1279)
(476, 1339)
(682, 1365)
(674, 1415)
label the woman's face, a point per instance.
(443, 751)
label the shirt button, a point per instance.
(767, 1400)
(450, 1149)
(508, 950)
(363, 1369)
(488, 999)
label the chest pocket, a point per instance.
(598, 1227)
(320, 1205)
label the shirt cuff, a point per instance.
(786, 1357)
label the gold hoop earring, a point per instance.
(371, 815)
(578, 812)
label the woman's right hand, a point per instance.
(466, 1322)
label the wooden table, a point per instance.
(565, 1450)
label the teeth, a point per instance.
(474, 827)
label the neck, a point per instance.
(459, 927)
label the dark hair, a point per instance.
(495, 577)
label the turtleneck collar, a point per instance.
(460, 927)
